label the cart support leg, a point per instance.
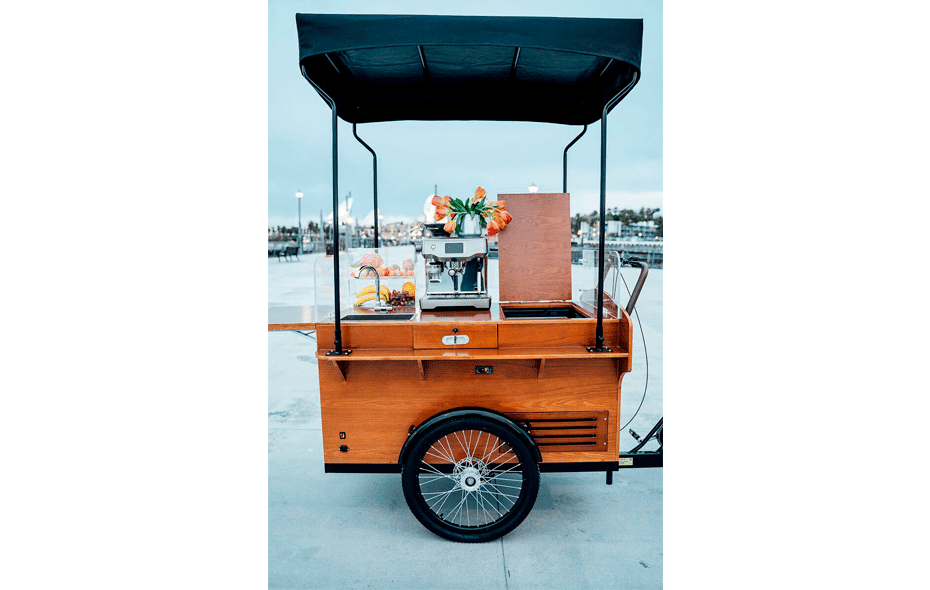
(337, 333)
(610, 477)
(599, 332)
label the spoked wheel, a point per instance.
(470, 480)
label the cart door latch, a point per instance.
(484, 370)
(343, 449)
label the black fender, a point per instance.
(490, 415)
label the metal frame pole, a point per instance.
(337, 333)
(374, 160)
(602, 234)
(565, 160)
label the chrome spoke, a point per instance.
(427, 477)
(439, 453)
(438, 508)
(432, 468)
(439, 499)
(509, 458)
(448, 449)
(456, 434)
(507, 471)
(458, 509)
(488, 503)
(494, 450)
(449, 491)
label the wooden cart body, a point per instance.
(538, 374)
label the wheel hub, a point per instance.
(470, 473)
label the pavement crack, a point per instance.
(506, 571)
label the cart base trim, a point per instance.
(578, 467)
(543, 467)
(361, 468)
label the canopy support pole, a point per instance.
(602, 233)
(565, 160)
(374, 159)
(337, 333)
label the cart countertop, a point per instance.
(303, 317)
(291, 317)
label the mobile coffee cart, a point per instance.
(469, 398)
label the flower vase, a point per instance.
(470, 226)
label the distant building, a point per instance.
(643, 230)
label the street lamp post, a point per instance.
(300, 229)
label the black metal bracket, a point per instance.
(374, 160)
(655, 433)
(636, 458)
(339, 353)
(565, 160)
(599, 349)
(643, 272)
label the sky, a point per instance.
(456, 156)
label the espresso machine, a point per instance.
(456, 273)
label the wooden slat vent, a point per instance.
(565, 431)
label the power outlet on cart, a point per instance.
(484, 370)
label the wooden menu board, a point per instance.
(535, 250)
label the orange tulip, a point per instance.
(507, 217)
(437, 200)
(441, 212)
(449, 227)
(479, 194)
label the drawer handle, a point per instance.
(453, 340)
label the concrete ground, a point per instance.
(356, 531)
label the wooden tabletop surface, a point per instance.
(304, 317)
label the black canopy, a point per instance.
(438, 68)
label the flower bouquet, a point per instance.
(468, 217)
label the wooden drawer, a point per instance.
(432, 335)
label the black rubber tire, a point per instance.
(493, 518)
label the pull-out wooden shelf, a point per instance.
(432, 354)
(473, 354)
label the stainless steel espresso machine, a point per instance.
(456, 273)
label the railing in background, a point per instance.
(651, 252)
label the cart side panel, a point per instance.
(371, 412)
(389, 336)
(517, 334)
